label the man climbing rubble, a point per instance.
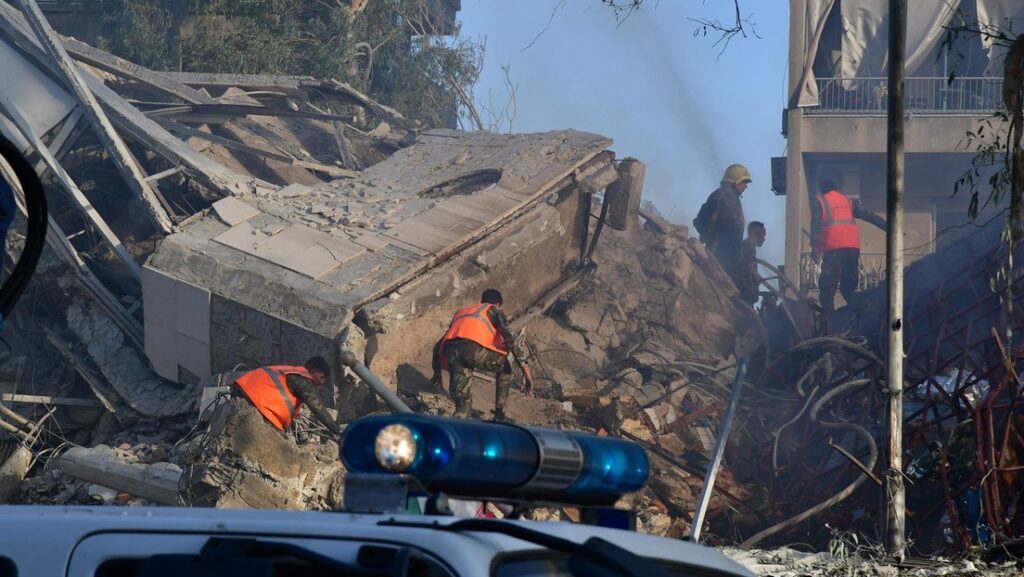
(479, 338)
(278, 392)
(720, 221)
(836, 240)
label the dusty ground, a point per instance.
(785, 562)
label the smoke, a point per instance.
(685, 161)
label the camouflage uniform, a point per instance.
(465, 356)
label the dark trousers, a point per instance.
(839, 269)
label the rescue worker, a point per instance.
(835, 240)
(750, 281)
(278, 392)
(720, 221)
(479, 338)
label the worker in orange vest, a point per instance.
(479, 338)
(836, 240)
(278, 392)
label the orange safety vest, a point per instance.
(473, 324)
(838, 227)
(268, 391)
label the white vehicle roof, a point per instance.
(41, 539)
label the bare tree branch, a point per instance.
(623, 8)
(727, 31)
(502, 120)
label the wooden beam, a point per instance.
(187, 131)
(249, 82)
(101, 465)
(344, 146)
(221, 111)
(296, 86)
(108, 62)
(76, 195)
(163, 174)
(117, 149)
(63, 137)
(47, 400)
(215, 176)
(184, 131)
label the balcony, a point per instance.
(872, 271)
(976, 96)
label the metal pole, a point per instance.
(894, 496)
(349, 359)
(716, 455)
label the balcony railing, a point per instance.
(872, 271)
(869, 96)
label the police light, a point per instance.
(497, 460)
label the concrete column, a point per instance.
(624, 194)
(797, 216)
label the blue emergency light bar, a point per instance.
(477, 459)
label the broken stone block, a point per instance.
(101, 464)
(13, 471)
(247, 463)
(624, 414)
(433, 403)
(102, 494)
(672, 444)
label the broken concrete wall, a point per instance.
(523, 260)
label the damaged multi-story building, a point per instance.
(835, 119)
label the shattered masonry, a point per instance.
(294, 232)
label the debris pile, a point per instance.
(638, 345)
(863, 560)
(240, 462)
(266, 228)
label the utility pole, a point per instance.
(894, 490)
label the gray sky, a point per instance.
(664, 95)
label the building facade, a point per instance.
(836, 118)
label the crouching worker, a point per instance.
(278, 392)
(479, 339)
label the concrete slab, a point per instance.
(162, 349)
(296, 247)
(193, 355)
(158, 289)
(233, 211)
(192, 311)
(293, 190)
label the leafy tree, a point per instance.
(389, 49)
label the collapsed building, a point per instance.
(222, 222)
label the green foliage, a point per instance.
(987, 181)
(140, 31)
(387, 50)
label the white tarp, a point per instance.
(817, 14)
(866, 31)
(1002, 14)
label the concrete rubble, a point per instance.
(277, 234)
(870, 562)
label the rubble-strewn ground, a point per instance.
(642, 348)
(786, 562)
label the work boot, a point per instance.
(499, 415)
